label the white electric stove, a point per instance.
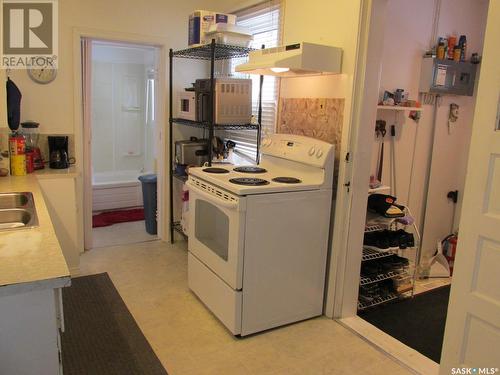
(258, 235)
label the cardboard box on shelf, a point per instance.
(201, 20)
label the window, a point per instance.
(264, 21)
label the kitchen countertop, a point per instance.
(70, 172)
(31, 259)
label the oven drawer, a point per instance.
(223, 301)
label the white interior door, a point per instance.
(472, 336)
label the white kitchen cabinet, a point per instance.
(60, 198)
(30, 324)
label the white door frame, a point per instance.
(83, 134)
(350, 210)
(348, 233)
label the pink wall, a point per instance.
(407, 36)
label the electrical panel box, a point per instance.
(447, 77)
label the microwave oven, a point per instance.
(187, 105)
(233, 101)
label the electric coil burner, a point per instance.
(287, 180)
(215, 170)
(249, 169)
(249, 181)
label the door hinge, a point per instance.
(348, 186)
(347, 156)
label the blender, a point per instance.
(30, 132)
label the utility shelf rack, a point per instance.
(365, 280)
(399, 108)
(206, 125)
(374, 223)
(210, 52)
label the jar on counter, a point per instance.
(17, 148)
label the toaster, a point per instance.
(191, 152)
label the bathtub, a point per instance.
(117, 189)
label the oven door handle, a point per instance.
(212, 198)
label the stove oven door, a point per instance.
(216, 230)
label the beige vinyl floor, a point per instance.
(121, 234)
(151, 277)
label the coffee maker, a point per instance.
(58, 152)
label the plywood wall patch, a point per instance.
(320, 118)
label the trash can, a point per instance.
(148, 182)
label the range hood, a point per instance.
(298, 59)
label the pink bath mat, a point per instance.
(105, 219)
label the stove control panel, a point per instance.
(298, 148)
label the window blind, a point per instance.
(264, 21)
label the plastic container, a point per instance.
(201, 20)
(149, 196)
(18, 165)
(229, 34)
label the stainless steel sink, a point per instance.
(17, 211)
(13, 200)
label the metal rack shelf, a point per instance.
(377, 301)
(210, 53)
(206, 125)
(380, 189)
(380, 277)
(222, 52)
(182, 178)
(373, 228)
(399, 108)
(369, 254)
(176, 226)
(373, 219)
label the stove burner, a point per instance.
(215, 170)
(249, 181)
(287, 180)
(249, 169)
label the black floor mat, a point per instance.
(101, 336)
(417, 322)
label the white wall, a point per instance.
(52, 105)
(407, 37)
(332, 23)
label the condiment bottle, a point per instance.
(440, 51)
(452, 41)
(462, 43)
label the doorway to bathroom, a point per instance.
(123, 103)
